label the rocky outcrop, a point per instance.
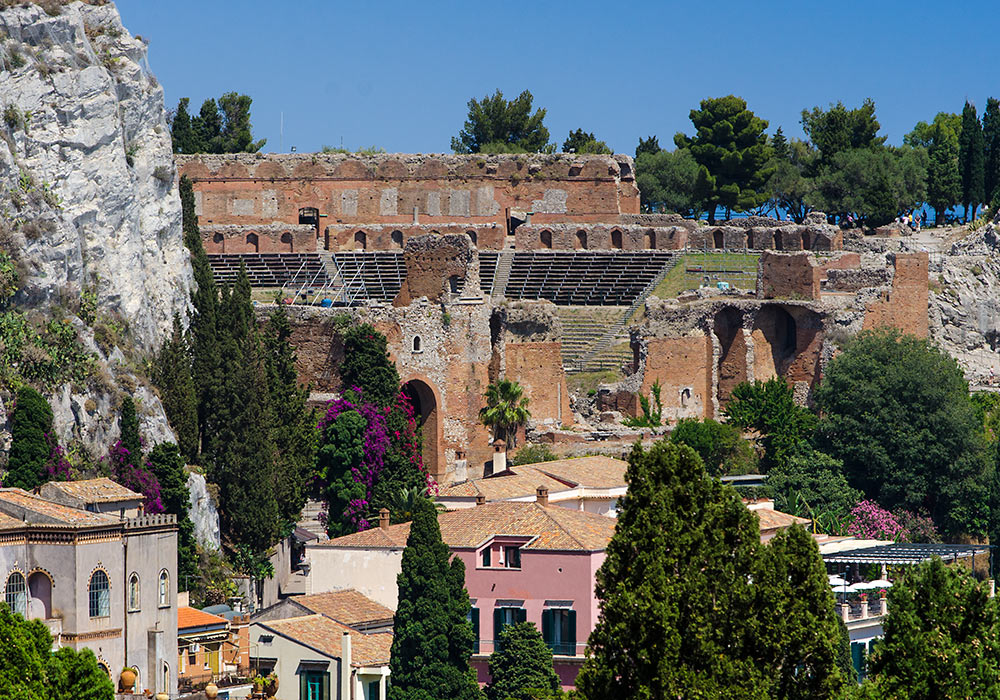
(203, 513)
(89, 203)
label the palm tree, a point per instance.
(505, 411)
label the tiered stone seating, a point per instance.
(487, 270)
(371, 275)
(584, 278)
(271, 269)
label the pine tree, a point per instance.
(167, 465)
(991, 142)
(521, 668)
(29, 448)
(432, 638)
(207, 127)
(367, 365)
(129, 425)
(294, 424)
(183, 136)
(172, 375)
(205, 360)
(971, 160)
(779, 145)
(944, 182)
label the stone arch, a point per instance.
(397, 238)
(775, 341)
(286, 240)
(732, 351)
(649, 239)
(580, 241)
(472, 237)
(360, 240)
(616, 239)
(546, 238)
(253, 242)
(426, 407)
(416, 344)
(778, 243)
(805, 240)
(40, 588)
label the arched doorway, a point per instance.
(425, 409)
(581, 240)
(253, 243)
(649, 240)
(360, 240)
(40, 588)
(286, 240)
(397, 239)
(546, 238)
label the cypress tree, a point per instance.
(294, 424)
(432, 637)
(367, 365)
(991, 142)
(971, 160)
(521, 669)
(172, 374)
(944, 182)
(183, 136)
(779, 145)
(205, 360)
(167, 465)
(129, 424)
(29, 448)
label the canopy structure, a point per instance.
(904, 553)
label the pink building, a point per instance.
(523, 561)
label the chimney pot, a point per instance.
(480, 499)
(542, 496)
(499, 456)
(383, 518)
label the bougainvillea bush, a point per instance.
(367, 453)
(138, 478)
(869, 521)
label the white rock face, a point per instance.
(203, 513)
(93, 109)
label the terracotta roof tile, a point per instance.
(42, 511)
(552, 528)
(188, 617)
(346, 607)
(102, 490)
(775, 519)
(325, 635)
(558, 475)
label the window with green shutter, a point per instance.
(506, 616)
(559, 630)
(473, 617)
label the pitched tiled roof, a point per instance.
(325, 635)
(558, 475)
(188, 618)
(102, 490)
(347, 607)
(40, 511)
(776, 520)
(552, 528)
(9, 523)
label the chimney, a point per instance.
(383, 518)
(542, 496)
(345, 666)
(499, 456)
(480, 499)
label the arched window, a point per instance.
(164, 589)
(253, 242)
(360, 240)
(17, 594)
(133, 592)
(616, 239)
(649, 239)
(546, 238)
(472, 236)
(309, 216)
(416, 343)
(581, 240)
(100, 594)
(286, 239)
(40, 589)
(217, 238)
(397, 238)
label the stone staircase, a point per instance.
(502, 274)
(582, 327)
(309, 520)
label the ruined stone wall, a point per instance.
(791, 237)
(535, 236)
(440, 268)
(683, 367)
(490, 236)
(782, 276)
(265, 238)
(353, 189)
(904, 306)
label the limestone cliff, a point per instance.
(88, 200)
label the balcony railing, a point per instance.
(191, 682)
(863, 609)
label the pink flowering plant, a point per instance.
(870, 521)
(138, 478)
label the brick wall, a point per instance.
(788, 276)
(683, 367)
(905, 305)
(538, 368)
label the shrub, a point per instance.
(533, 454)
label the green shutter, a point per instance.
(521, 615)
(570, 640)
(547, 627)
(497, 626)
(857, 659)
(474, 618)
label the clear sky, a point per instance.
(399, 74)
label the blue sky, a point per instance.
(399, 74)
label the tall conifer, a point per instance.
(991, 142)
(128, 422)
(944, 182)
(29, 448)
(971, 160)
(432, 639)
(172, 374)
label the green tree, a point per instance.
(31, 671)
(792, 184)
(720, 445)
(128, 423)
(839, 129)
(207, 127)
(896, 411)
(923, 133)
(496, 125)
(666, 181)
(521, 668)
(991, 146)
(580, 141)
(941, 638)
(184, 138)
(167, 464)
(31, 425)
(432, 637)
(971, 160)
(505, 411)
(236, 132)
(294, 425)
(769, 408)
(944, 182)
(779, 145)
(172, 376)
(367, 365)
(692, 605)
(811, 484)
(730, 147)
(649, 144)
